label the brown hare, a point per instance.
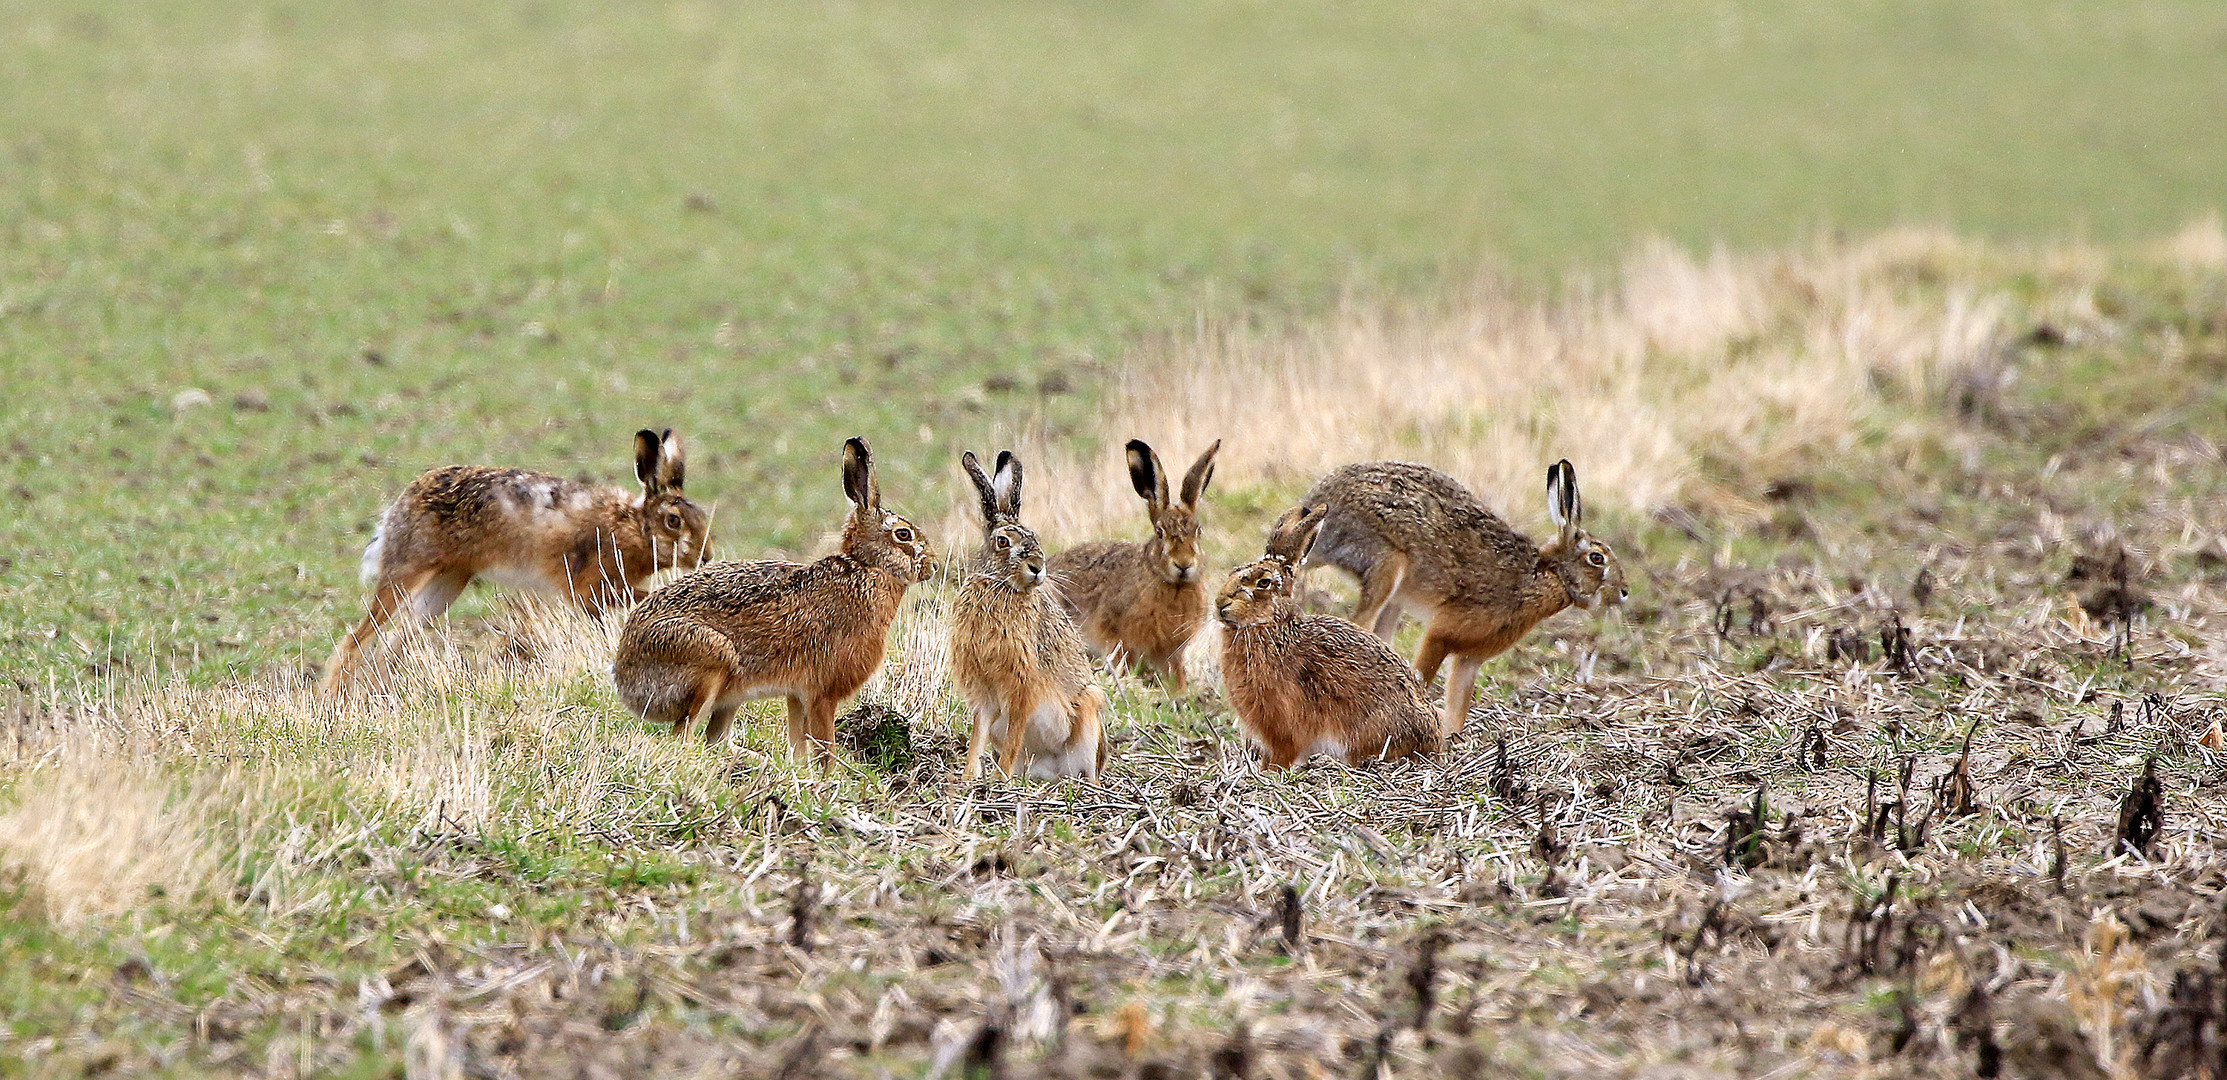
(1142, 603)
(1018, 660)
(810, 633)
(1415, 537)
(595, 546)
(1312, 684)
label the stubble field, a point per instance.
(1928, 538)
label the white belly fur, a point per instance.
(523, 578)
(1045, 743)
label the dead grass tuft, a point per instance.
(99, 833)
(1652, 382)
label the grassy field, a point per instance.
(381, 238)
(259, 266)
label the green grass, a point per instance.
(775, 225)
(386, 237)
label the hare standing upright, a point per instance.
(1415, 536)
(1312, 684)
(1142, 603)
(810, 633)
(525, 530)
(1016, 655)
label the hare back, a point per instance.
(1086, 573)
(1456, 548)
(1313, 680)
(1009, 646)
(818, 626)
(1120, 602)
(488, 520)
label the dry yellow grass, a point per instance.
(101, 829)
(1680, 361)
(1151, 897)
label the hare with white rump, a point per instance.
(594, 546)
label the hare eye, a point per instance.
(672, 521)
(1596, 558)
(1004, 543)
(904, 536)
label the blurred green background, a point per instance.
(377, 237)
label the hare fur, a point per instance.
(1312, 684)
(808, 632)
(525, 530)
(1142, 603)
(1016, 655)
(1416, 538)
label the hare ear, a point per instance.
(1201, 474)
(1007, 485)
(1147, 477)
(1294, 534)
(1310, 530)
(858, 475)
(1562, 504)
(982, 488)
(646, 446)
(672, 461)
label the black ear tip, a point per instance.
(1139, 446)
(858, 446)
(667, 436)
(1005, 458)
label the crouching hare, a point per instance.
(808, 632)
(529, 530)
(1312, 684)
(1016, 655)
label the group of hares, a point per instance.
(1026, 625)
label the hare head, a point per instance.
(1588, 568)
(1174, 547)
(1254, 590)
(1010, 550)
(874, 536)
(679, 531)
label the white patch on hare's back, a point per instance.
(546, 501)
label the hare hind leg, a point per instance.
(392, 595)
(700, 697)
(1379, 609)
(385, 602)
(717, 724)
(1090, 732)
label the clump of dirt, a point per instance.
(894, 742)
(2104, 583)
(877, 735)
